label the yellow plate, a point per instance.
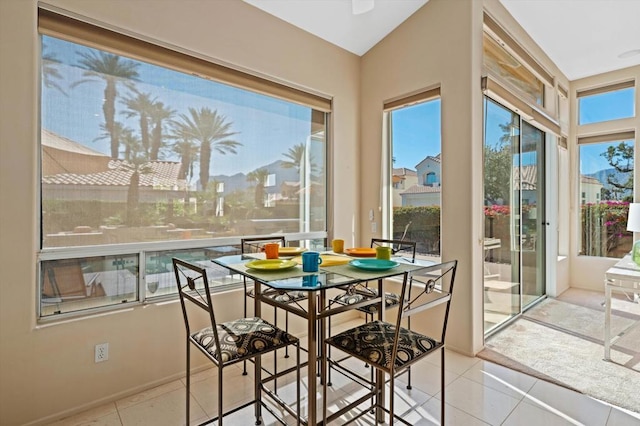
(361, 252)
(271, 264)
(327, 260)
(290, 251)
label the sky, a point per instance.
(268, 127)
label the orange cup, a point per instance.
(271, 250)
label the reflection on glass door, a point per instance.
(513, 212)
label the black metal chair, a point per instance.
(405, 248)
(391, 348)
(256, 245)
(229, 342)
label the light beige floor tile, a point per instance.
(429, 414)
(454, 361)
(426, 415)
(484, 403)
(425, 376)
(237, 389)
(526, 414)
(149, 394)
(105, 415)
(620, 417)
(510, 382)
(166, 409)
(572, 404)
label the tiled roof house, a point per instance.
(72, 171)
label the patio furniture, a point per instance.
(64, 280)
(390, 348)
(229, 342)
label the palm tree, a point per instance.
(159, 115)
(137, 162)
(50, 71)
(186, 148)
(141, 106)
(296, 157)
(212, 132)
(258, 177)
(111, 69)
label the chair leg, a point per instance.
(409, 368)
(442, 404)
(257, 396)
(188, 379)
(286, 328)
(391, 397)
(324, 391)
(298, 379)
(328, 354)
(220, 407)
(244, 363)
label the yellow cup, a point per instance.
(383, 253)
(337, 246)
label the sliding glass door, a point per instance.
(513, 214)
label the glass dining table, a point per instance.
(343, 275)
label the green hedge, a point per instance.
(424, 227)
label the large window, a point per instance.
(143, 147)
(606, 189)
(606, 170)
(416, 175)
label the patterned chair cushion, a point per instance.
(286, 297)
(373, 343)
(390, 300)
(243, 338)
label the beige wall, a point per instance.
(49, 371)
(441, 44)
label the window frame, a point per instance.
(418, 97)
(606, 131)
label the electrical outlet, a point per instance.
(102, 352)
(374, 227)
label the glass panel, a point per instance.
(416, 175)
(503, 64)
(502, 225)
(159, 274)
(606, 106)
(90, 282)
(606, 188)
(532, 191)
(133, 152)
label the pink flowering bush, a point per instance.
(604, 229)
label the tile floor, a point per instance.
(477, 393)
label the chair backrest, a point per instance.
(64, 279)
(402, 247)
(256, 244)
(193, 287)
(432, 286)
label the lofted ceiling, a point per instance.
(582, 37)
